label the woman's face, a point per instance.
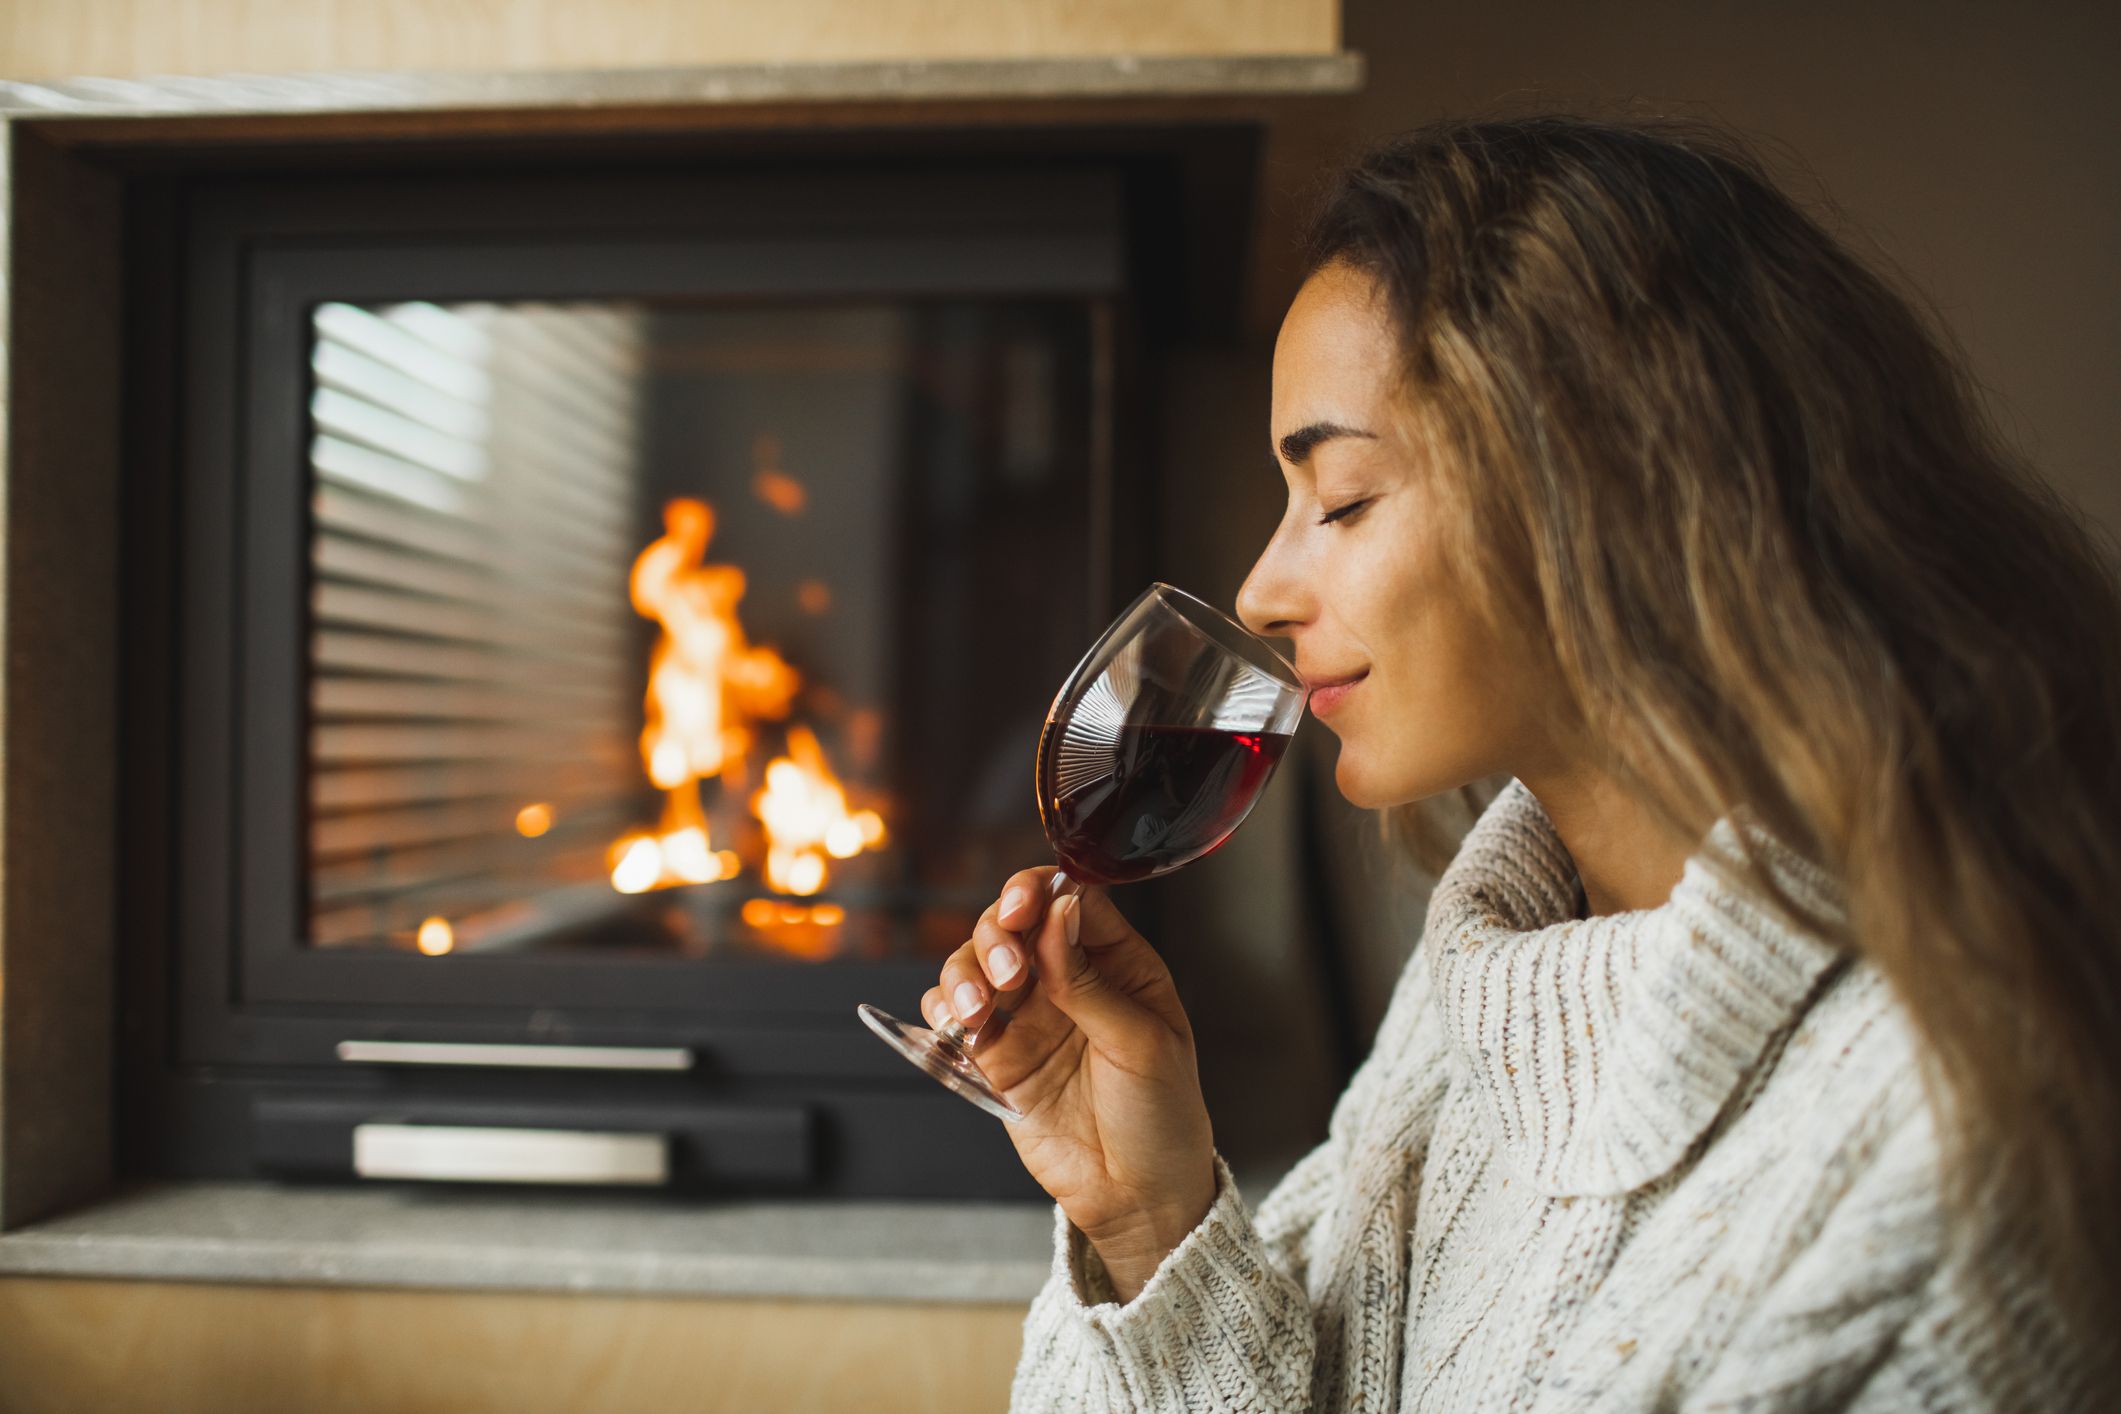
(1422, 694)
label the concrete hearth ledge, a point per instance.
(410, 1236)
(1176, 76)
(540, 1240)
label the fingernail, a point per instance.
(968, 999)
(1010, 900)
(1002, 963)
(939, 1017)
(1075, 923)
(1064, 909)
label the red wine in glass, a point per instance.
(1155, 750)
(1171, 795)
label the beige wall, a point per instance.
(53, 38)
(87, 1347)
(1977, 146)
(1976, 149)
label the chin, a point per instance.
(1359, 786)
(1370, 785)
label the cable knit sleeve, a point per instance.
(1226, 1321)
(1217, 1326)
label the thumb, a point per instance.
(1070, 975)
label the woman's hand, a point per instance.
(1099, 1057)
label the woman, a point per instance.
(1761, 1049)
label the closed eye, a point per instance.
(1339, 513)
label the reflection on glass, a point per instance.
(620, 614)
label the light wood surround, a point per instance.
(83, 1347)
(56, 38)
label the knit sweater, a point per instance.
(1677, 1158)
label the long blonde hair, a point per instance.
(1788, 568)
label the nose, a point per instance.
(1273, 600)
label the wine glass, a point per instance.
(1152, 754)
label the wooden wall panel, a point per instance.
(57, 38)
(59, 791)
(86, 1347)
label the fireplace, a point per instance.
(588, 625)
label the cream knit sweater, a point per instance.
(1670, 1159)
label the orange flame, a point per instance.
(707, 687)
(807, 930)
(770, 482)
(436, 937)
(705, 679)
(804, 810)
(706, 683)
(781, 491)
(677, 853)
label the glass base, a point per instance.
(945, 1060)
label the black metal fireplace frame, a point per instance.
(231, 1038)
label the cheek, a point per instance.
(1439, 711)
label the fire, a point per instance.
(781, 491)
(770, 482)
(804, 810)
(436, 937)
(677, 853)
(706, 681)
(708, 685)
(765, 912)
(805, 929)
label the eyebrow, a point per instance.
(1296, 448)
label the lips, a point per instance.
(1328, 693)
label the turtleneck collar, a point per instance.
(1604, 1047)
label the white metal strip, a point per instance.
(517, 1056)
(461, 1154)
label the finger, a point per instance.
(965, 986)
(934, 1009)
(1022, 903)
(1037, 1035)
(1125, 959)
(1071, 977)
(1004, 957)
(1103, 925)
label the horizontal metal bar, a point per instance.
(454, 1153)
(516, 1056)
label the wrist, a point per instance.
(1128, 1267)
(1132, 1250)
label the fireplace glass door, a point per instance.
(705, 630)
